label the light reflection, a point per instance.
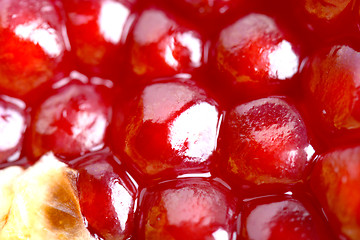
(220, 234)
(291, 159)
(194, 133)
(193, 43)
(151, 27)
(264, 217)
(99, 169)
(245, 30)
(41, 33)
(189, 204)
(259, 221)
(195, 175)
(169, 57)
(79, 19)
(86, 121)
(79, 76)
(154, 26)
(102, 82)
(282, 131)
(89, 129)
(14, 156)
(122, 202)
(310, 151)
(112, 19)
(14, 101)
(172, 97)
(12, 125)
(283, 61)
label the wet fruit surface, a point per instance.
(333, 181)
(103, 184)
(265, 141)
(33, 45)
(282, 218)
(71, 122)
(171, 128)
(255, 53)
(184, 119)
(187, 209)
(95, 41)
(161, 47)
(14, 121)
(333, 82)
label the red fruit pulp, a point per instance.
(215, 102)
(265, 141)
(96, 42)
(187, 209)
(102, 183)
(282, 218)
(334, 182)
(160, 46)
(255, 54)
(33, 45)
(71, 122)
(332, 81)
(170, 128)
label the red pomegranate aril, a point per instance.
(96, 33)
(221, 119)
(13, 123)
(162, 46)
(334, 182)
(107, 196)
(187, 209)
(72, 121)
(273, 218)
(266, 141)
(170, 128)
(256, 56)
(332, 81)
(32, 45)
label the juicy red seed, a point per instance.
(169, 129)
(71, 122)
(274, 218)
(107, 196)
(255, 54)
(332, 80)
(96, 31)
(334, 182)
(187, 209)
(32, 45)
(166, 136)
(13, 123)
(265, 141)
(159, 46)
